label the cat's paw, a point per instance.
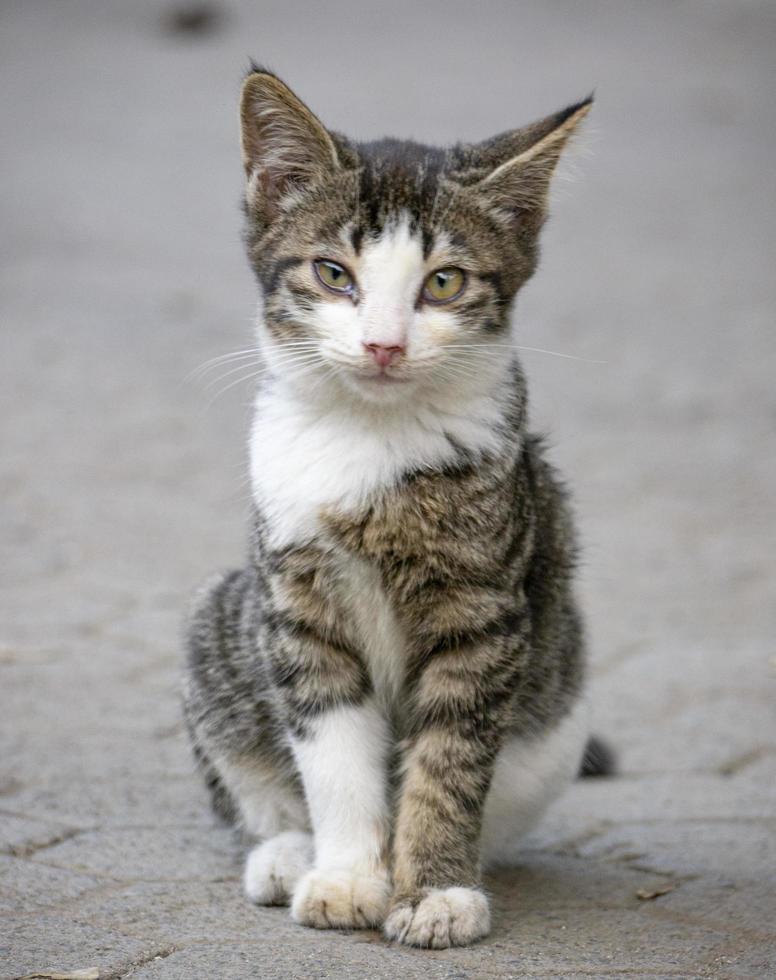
(341, 899)
(442, 917)
(274, 868)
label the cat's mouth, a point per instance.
(381, 377)
(379, 384)
(385, 379)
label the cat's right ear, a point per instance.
(521, 164)
(284, 146)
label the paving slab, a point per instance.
(148, 853)
(64, 943)
(739, 849)
(124, 481)
(31, 888)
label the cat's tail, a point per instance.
(599, 759)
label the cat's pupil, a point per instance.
(441, 280)
(335, 272)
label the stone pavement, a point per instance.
(123, 486)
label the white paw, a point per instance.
(274, 868)
(444, 917)
(338, 899)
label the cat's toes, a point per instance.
(274, 868)
(443, 917)
(341, 899)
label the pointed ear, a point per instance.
(284, 146)
(522, 162)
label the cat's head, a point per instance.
(388, 269)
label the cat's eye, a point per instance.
(444, 285)
(333, 276)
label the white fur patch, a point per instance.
(529, 775)
(308, 456)
(274, 868)
(382, 641)
(267, 804)
(343, 767)
(391, 273)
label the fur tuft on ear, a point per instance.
(284, 146)
(522, 162)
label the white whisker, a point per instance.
(523, 347)
(215, 362)
(292, 365)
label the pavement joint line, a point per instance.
(21, 815)
(30, 848)
(676, 877)
(88, 872)
(159, 954)
(65, 904)
(745, 759)
(569, 847)
(634, 775)
(657, 821)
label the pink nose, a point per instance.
(383, 354)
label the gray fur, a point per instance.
(477, 559)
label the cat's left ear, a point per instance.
(284, 146)
(522, 163)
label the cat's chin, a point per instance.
(379, 389)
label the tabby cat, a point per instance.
(391, 690)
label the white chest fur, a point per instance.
(306, 457)
(381, 638)
(309, 457)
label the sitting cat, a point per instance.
(391, 690)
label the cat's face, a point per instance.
(389, 269)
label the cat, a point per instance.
(391, 690)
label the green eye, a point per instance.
(333, 275)
(444, 285)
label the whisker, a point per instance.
(242, 355)
(228, 374)
(533, 350)
(214, 362)
(298, 362)
(295, 343)
(223, 391)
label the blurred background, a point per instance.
(124, 479)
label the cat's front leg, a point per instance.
(462, 708)
(342, 758)
(437, 900)
(339, 740)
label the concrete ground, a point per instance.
(123, 486)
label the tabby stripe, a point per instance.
(475, 305)
(504, 625)
(301, 630)
(356, 238)
(270, 278)
(494, 280)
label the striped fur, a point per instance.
(405, 626)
